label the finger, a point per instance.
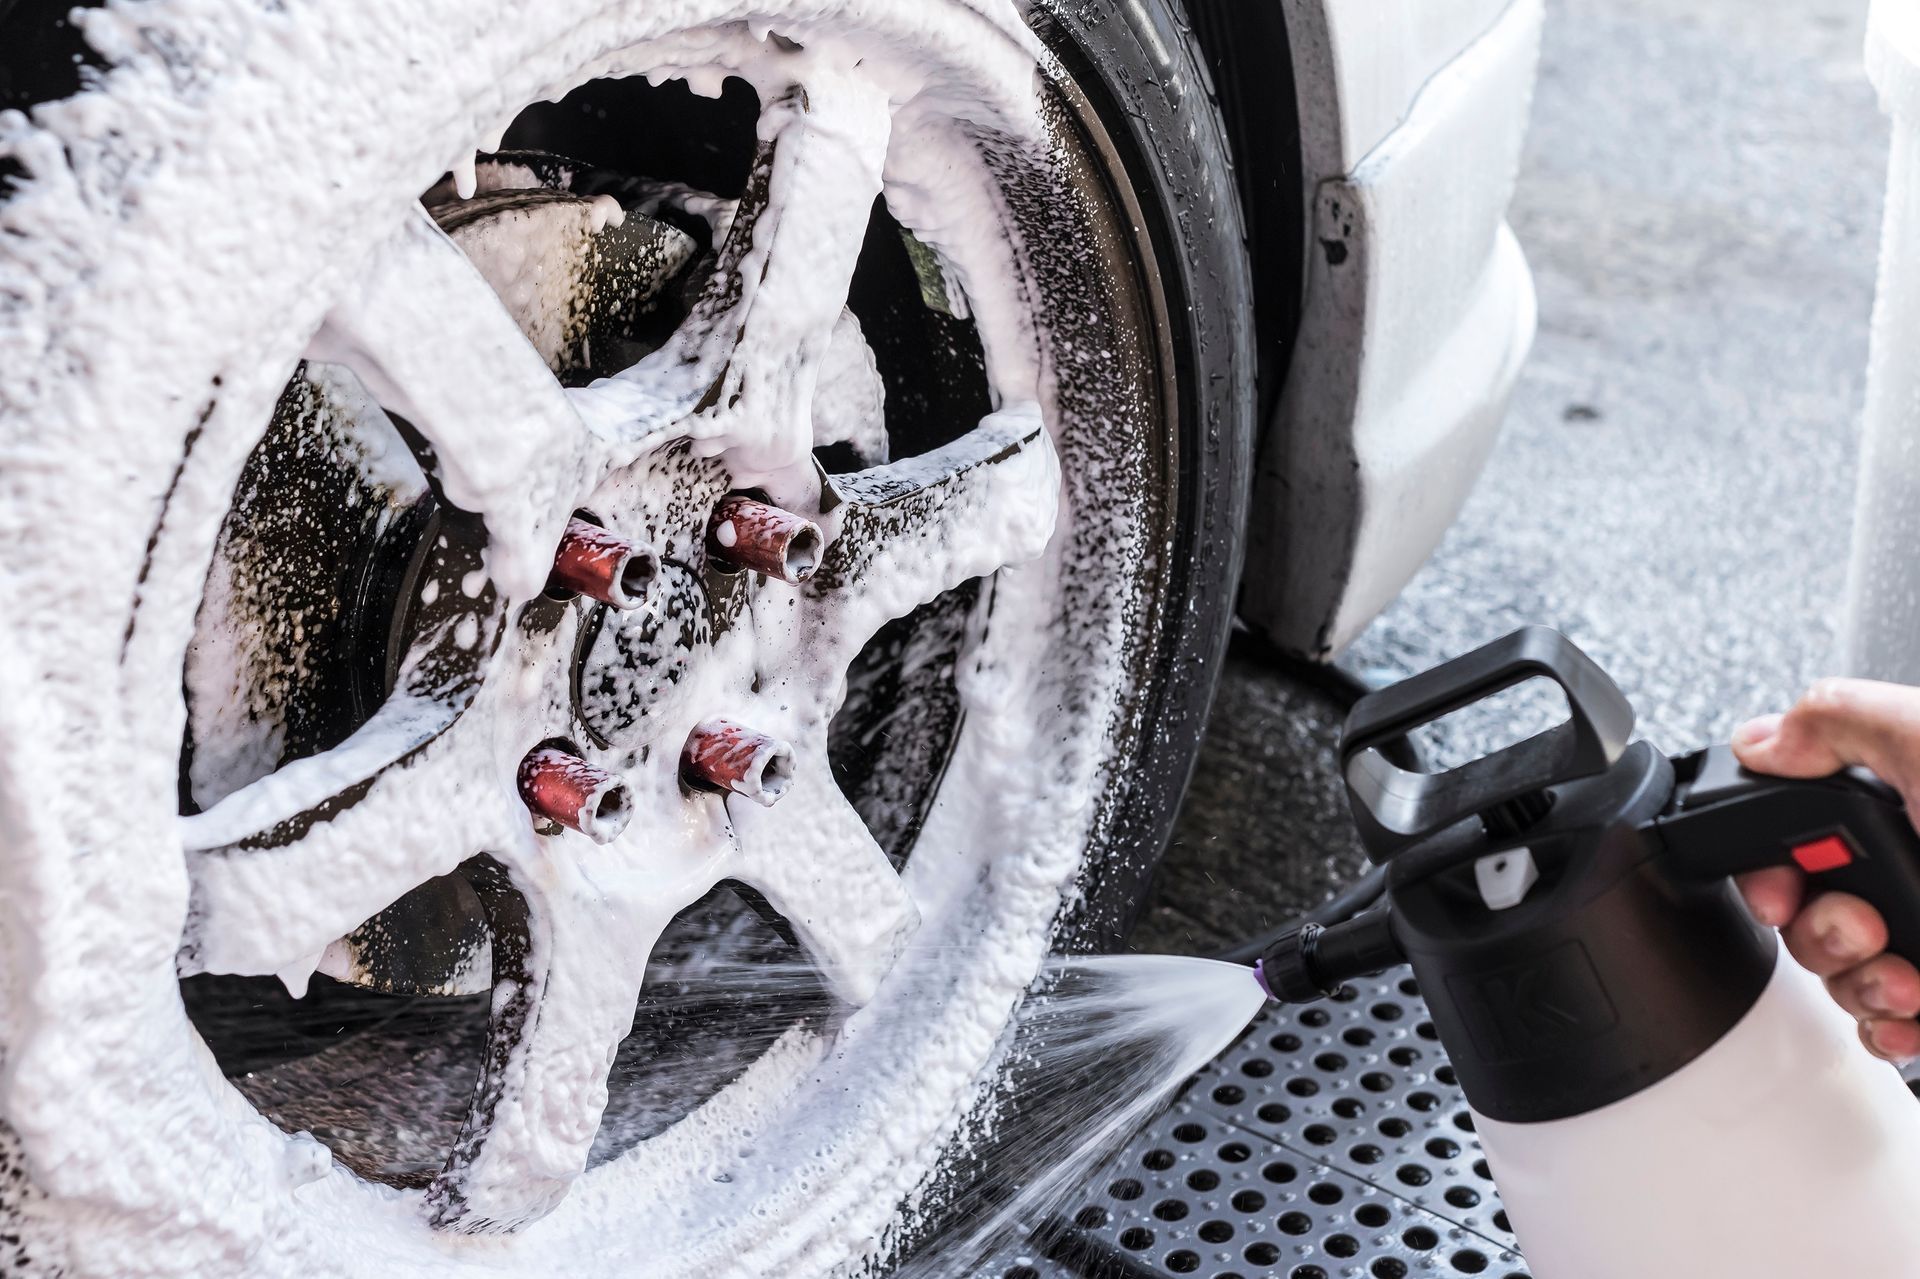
(1773, 894)
(1836, 723)
(1837, 931)
(1886, 986)
(1896, 1041)
(1753, 735)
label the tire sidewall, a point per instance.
(1144, 77)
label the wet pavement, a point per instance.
(1700, 202)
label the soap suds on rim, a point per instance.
(176, 1173)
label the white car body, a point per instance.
(1418, 306)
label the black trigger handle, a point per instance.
(1850, 832)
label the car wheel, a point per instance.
(753, 546)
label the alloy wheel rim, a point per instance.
(228, 883)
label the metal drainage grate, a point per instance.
(1330, 1142)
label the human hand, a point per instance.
(1837, 936)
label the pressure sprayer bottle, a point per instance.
(1660, 1091)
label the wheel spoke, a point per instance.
(814, 861)
(740, 373)
(286, 865)
(850, 402)
(570, 948)
(501, 439)
(570, 270)
(909, 531)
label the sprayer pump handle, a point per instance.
(1395, 807)
(1850, 832)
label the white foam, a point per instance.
(174, 247)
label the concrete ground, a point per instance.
(1700, 201)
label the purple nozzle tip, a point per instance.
(1260, 975)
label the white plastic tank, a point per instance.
(1784, 1152)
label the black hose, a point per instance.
(1337, 909)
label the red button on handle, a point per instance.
(1829, 852)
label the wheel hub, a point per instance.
(642, 662)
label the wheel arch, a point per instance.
(1377, 143)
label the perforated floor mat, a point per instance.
(1330, 1142)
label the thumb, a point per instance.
(1837, 723)
(1762, 746)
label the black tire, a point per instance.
(1146, 87)
(1146, 102)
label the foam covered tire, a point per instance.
(1141, 74)
(240, 194)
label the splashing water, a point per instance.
(1095, 1051)
(1098, 1048)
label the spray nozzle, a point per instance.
(1313, 961)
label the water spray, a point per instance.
(1659, 1090)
